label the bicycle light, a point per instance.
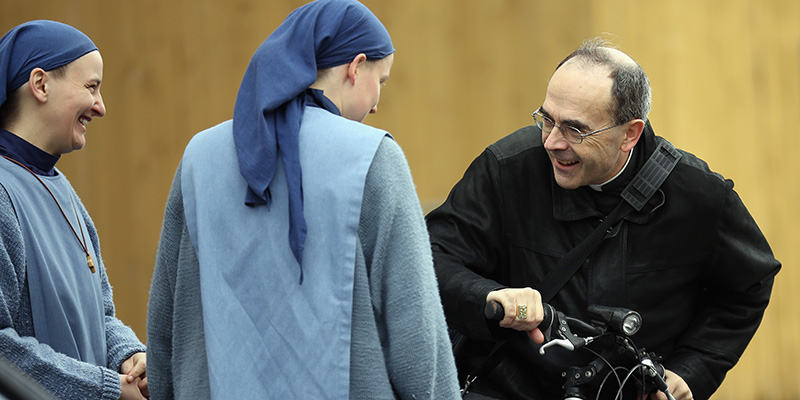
(618, 319)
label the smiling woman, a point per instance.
(57, 320)
(67, 104)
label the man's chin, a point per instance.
(566, 182)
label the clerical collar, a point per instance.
(599, 188)
(17, 148)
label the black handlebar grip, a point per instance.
(549, 313)
(494, 311)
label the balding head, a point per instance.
(630, 92)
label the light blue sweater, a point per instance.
(400, 347)
(64, 376)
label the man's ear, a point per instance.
(352, 68)
(37, 83)
(632, 134)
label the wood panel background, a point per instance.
(467, 72)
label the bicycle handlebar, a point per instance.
(620, 321)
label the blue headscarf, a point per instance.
(38, 44)
(270, 103)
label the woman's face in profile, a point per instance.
(363, 99)
(73, 101)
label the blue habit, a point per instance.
(66, 297)
(266, 335)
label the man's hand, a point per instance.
(523, 309)
(135, 370)
(677, 388)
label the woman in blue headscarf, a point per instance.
(294, 249)
(57, 318)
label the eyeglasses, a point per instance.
(570, 133)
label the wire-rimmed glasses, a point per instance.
(570, 133)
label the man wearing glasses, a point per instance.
(688, 256)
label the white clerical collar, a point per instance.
(599, 188)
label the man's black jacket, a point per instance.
(692, 262)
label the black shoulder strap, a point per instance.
(652, 175)
(635, 196)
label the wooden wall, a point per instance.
(467, 72)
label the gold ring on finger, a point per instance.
(522, 311)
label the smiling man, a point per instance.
(686, 255)
(579, 96)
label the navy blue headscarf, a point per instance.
(38, 44)
(270, 103)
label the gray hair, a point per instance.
(631, 92)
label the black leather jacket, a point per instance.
(692, 262)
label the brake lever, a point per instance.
(557, 342)
(568, 344)
(558, 333)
